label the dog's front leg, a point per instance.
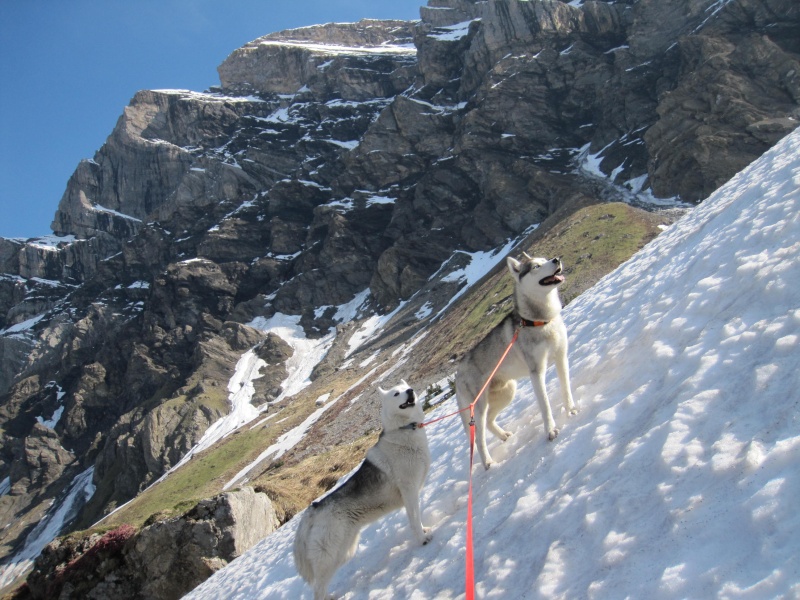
(411, 503)
(481, 417)
(562, 368)
(537, 379)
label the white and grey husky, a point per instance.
(542, 338)
(390, 477)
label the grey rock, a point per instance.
(163, 561)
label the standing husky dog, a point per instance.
(542, 337)
(390, 477)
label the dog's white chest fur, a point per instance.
(404, 454)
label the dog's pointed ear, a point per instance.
(382, 391)
(403, 383)
(526, 255)
(514, 266)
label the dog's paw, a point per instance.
(552, 434)
(425, 537)
(573, 412)
(487, 464)
(504, 435)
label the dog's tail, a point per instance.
(302, 538)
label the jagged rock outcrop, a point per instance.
(343, 159)
(41, 461)
(737, 96)
(163, 560)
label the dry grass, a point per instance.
(294, 487)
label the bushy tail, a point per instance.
(302, 558)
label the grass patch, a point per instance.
(594, 241)
(205, 474)
(294, 487)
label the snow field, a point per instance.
(679, 476)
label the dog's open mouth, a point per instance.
(553, 279)
(411, 400)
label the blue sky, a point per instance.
(69, 67)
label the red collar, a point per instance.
(526, 323)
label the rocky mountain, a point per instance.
(338, 177)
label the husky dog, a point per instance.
(390, 477)
(542, 338)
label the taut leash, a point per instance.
(469, 571)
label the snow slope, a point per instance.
(679, 478)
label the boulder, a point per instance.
(176, 555)
(163, 561)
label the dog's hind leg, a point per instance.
(321, 591)
(334, 546)
(500, 396)
(324, 571)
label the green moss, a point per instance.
(201, 477)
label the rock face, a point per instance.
(355, 61)
(339, 162)
(164, 560)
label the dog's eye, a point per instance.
(397, 394)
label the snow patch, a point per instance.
(282, 445)
(103, 209)
(24, 328)
(241, 390)
(334, 49)
(307, 353)
(52, 421)
(452, 33)
(52, 242)
(66, 509)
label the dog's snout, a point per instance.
(411, 399)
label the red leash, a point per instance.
(470, 566)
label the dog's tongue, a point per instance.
(553, 279)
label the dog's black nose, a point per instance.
(556, 260)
